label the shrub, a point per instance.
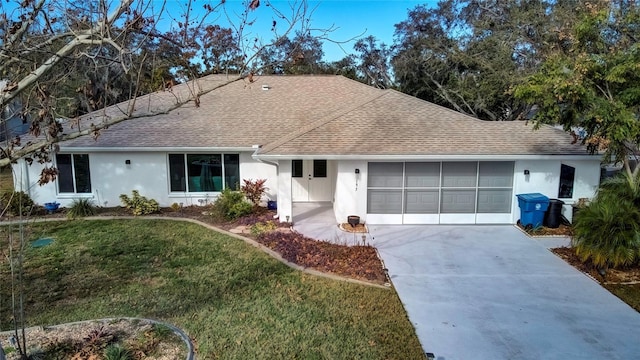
(263, 227)
(607, 231)
(138, 204)
(16, 203)
(230, 205)
(254, 190)
(81, 207)
(117, 352)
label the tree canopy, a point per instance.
(592, 85)
(62, 59)
(467, 54)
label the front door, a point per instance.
(310, 181)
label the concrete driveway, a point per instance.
(491, 292)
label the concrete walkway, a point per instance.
(317, 221)
(491, 292)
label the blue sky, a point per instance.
(350, 18)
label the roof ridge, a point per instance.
(319, 122)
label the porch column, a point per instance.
(285, 207)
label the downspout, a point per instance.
(255, 157)
(25, 174)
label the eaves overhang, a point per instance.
(91, 149)
(413, 157)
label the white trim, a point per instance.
(185, 149)
(419, 219)
(384, 219)
(468, 157)
(468, 218)
(484, 218)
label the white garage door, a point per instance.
(440, 192)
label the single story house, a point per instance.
(385, 156)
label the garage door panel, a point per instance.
(385, 175)
(494, 200)
(422, 201)
(384, 202)
(458, 201)
(495, 174)
(422, 174)
(459, 174)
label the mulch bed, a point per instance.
(612, 276)
(358, 262)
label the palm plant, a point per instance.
(607, 231)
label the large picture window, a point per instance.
(73, 173)
(204, 172)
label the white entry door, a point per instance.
(310, 180)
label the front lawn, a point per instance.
(232, 299)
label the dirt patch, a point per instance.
(88, 340)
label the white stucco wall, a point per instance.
(544, 178)
(350, 190)
(147, 173)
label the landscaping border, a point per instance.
(176, 330)
(247, 240)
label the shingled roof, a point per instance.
(317, 116)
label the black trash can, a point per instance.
(553, 215)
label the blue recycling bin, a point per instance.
(532, 209)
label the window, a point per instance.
(204, 172)
(567, 175)
(296, 168)
(319, 168)
(73, 173)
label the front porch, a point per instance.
(317, 220)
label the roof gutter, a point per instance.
(153, 149)
(264, 157)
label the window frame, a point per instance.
(569, 173)
(75, 172)
(181, 182)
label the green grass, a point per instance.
(234, 300)
(630, 294)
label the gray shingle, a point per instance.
(318, 115)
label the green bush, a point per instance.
(138, 204)
(607, 231)
(80, 208)
(231, 205)
(16, 203)
(263, 227)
